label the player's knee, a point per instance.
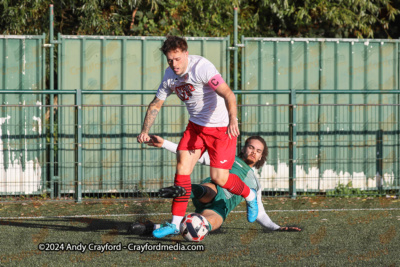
(220, 179)
(219, 176)
(183, 169)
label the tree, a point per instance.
(257, 18)
(320, 18)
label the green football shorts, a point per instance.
(220, 204)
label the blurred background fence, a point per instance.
(329, 149)
(328, 109)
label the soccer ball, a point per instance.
(194, 227)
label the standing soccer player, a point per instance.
(213, 126)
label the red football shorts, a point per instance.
(215, 140)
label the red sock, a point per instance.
(236, 186)
(179, 204)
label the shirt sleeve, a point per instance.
(206, 70)
(168, 145)
(164, 90)
(263, 217)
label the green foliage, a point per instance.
(86, 17)
(306, 194)
(346, 191)
(23, 17)
(343, 190)
(309, 18)
(257, 18)
(319, 18)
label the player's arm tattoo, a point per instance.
(151, 114)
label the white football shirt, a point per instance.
(205, 106)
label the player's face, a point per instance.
(178, 61)
(253, 152)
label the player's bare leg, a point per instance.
(236, 186)
(187, 159)
(214, 219)
(219, 176)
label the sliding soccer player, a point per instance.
(212, 201)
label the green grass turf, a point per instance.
(329, 238)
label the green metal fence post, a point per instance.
(78, 184)
(44, 110)
(235, 51)
(51, 37)
(397, 81)
(58, 115)
(228, 60)
(379, 160)
(54, 180)
(123, 111)
(292, 143)
(242, 98)
(235, 67)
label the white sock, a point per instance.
(251, 196)
(177, 220)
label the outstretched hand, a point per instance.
(289, 229)
(155, 141)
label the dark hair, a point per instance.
(172, 43)
(264, 154)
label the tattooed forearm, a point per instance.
(155, 101)
(151, 114)
(149, 120)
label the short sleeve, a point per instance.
(206, 70)
(164, 90)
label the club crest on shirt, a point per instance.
(184, 92)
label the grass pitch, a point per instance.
(336, 232)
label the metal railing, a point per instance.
(324, 148)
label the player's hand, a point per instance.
(143, 137)
(289, 229)
(233, 128)
(155, 141)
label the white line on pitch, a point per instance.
(159, 214)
